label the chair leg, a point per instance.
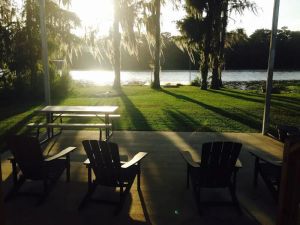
(45, 193)
(187, 176)
(235, 201)
(122, 200)
(256, 170)
(16, 186)
(139, 176)
(91, 189)
(68, 168)
(100, 134)
(270, 186)
(14, 171)
(197, 194)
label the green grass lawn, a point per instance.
(172, 109)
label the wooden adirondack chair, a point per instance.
(28, 162)
(270, 170)
(218, 168)
(104, 161)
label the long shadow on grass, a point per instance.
(138, 120)
(254, 124)
(292, 100)
(275, 102)
(183, 122)
(236, 95)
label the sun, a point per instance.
(94, 13)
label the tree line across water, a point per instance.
(242, 52)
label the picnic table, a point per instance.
(54, 113)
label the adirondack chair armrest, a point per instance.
(188, 159)
(62, 153)
(137, 158)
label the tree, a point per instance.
(222, 9)
(212, 18)
(196, 34)
(151, 10)
(22, 41)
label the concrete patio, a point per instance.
(163, 199)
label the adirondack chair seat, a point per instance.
(104, 161)
(28, 163)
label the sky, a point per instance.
(100, 13)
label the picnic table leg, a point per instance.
(49, 118)
(106, 128)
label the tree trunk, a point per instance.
(216, 45)
(223, 38)
(116, 46)
(156, 82)
(204, 71)
(215, 73)
(207, 48)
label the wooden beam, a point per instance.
(45, 53)
(266, 118)
(289, 197)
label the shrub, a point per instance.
(196, 82)
(61, 84)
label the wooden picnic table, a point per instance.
(54, 112)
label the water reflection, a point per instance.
(106, 77)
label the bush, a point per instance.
(61, 84)
(196, 82)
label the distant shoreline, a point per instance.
(229, 70)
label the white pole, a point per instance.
(45, 53)
(266, 118)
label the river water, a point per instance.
(103, 77)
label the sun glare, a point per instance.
(94, 14)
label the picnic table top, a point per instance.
(78, 109)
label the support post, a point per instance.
(45, 52)
(116, 45)
(266, 118)
(156, 82)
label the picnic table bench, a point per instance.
(58, 112)
(62, 126)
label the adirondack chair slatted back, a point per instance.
(218, 162)
(29, 156)
(104, 160)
